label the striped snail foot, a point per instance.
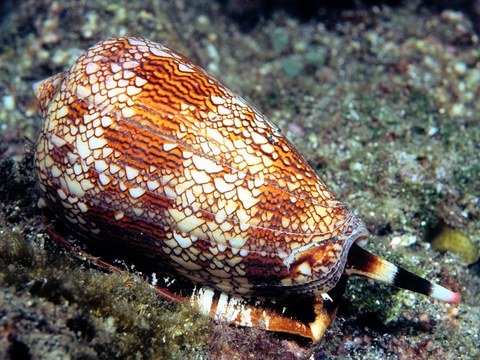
(307, 317)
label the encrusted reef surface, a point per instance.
(381, 100)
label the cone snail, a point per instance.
(142, 149)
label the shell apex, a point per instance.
(44, 89)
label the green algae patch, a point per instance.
(451, 240)
(117, 315)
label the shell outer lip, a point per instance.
(355, 231)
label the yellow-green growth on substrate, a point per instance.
(452, 240)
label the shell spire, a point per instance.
(363, 263)
(45, 88)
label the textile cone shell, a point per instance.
(142, 147)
